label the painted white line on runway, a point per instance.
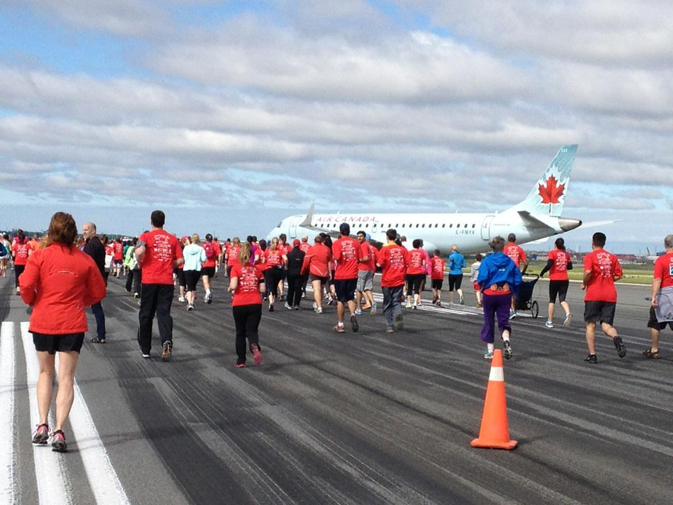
(8, 488)
(50, 468)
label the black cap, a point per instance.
(345, 229)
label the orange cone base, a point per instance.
(508, 446)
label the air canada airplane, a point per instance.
(534, 219)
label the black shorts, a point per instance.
(182, 281)
(437, 283)
(345, 289)
(58, 343)
(414, 282)
(119, 262)
(603, 312)
(192, 279)
(559, 288)
(209, 271)
(653, 323)
(455, 281)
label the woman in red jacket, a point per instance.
(59, 282)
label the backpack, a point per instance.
(210, 250)
(3, 250)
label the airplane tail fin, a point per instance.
(548, 195)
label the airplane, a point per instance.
(534, 219)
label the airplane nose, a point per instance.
(569, 224)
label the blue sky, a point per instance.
(232, 115)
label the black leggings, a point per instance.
(272, 277)
(246, 318)
(18, 270)
(295, 284)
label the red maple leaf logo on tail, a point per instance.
(551, 191)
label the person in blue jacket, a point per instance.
(498, 277)
(456, 265)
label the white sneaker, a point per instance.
(318, 310)
(408, 304)
(181, 299)
(358, 312)
(288, 306)
(568, 319)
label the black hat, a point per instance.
(345, 228)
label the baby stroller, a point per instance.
(525, 294)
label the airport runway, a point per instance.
(366, 418)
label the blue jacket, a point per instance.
(194, 255)
(498, 269)
(456, 263)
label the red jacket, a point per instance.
(59, 282)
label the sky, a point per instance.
(230, 115)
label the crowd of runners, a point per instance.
(336, 271)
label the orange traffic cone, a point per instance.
(494, 432)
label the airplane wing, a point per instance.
(599, 223)
(533, 221)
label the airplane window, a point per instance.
(451, 225)
(423, 226)
(465, 226)
(437, 225)
(457, 226)
(366, 226)
(444, 225)
(474, 225)
(417, 225)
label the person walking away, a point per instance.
(247, 285)
(4, 255)
(20, 253)
(558, 264)
(295, 278)
(393, 260)
(59, 281)
(232, 253)
(518, 256)
(129, 263)
(316, 264)
(195, 256)
(415, 274)
(661, 311)
(94, 248)
(284, 248)
(346, 253)
(118, 257)
(601, 271)
(366, 269)
(474, 273)
(456, 265)
(180, 272)
(4, 262)
(273, 274)
(437, 265)
(158, 252)
(208, 268)
(109, 253)
(498, 277)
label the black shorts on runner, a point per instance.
(119, 262)
(455, 281)
(653, 323)
(58, 343)
(559, 288)
(599, 312)
(192, 279)
(209, 271)
(414, 282)
(345, 289)
(437, 283)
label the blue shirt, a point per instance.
(497, 268)
(194, 255)
(456, 263)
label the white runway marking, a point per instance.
(8, 488)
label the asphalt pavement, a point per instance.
(354, 418)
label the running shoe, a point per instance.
(358, 312)
(318, 310)
(507, 351)
(390, 330)
(167, 352)
(210, 298)
(315, 306)
(414, 306)
(190, 307)
(296, 307)
(619, 345)
(136, 295)
(271, 307)
(354, 323)
(568, 319)
(549, 324)
(462, 300)
(408, 304)
(97, 340)
(366, 306)
(181, 299)
(488, 354)
(513, 314)
(256, 354)
(240, 365)
(41, 435)
(439, 303)
(591, 358)
(58, 442)
(649, 353)
(479, 305)
(288, 306)
(339, 328)
(399, 322)
(373, 311)
(434, 300)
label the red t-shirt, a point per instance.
(318, 259)
(21, 251)
(161, 250)
(367, 251)
(210, 262)
(394, 260)
(118, 250)
(234, 251)
(515, 253)
(663, 269)
(304, 246)
(416, 258)
(247, 291)
(437, 264)
(274, 257)
(559, 270)
(601, 286)
(347, 254)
